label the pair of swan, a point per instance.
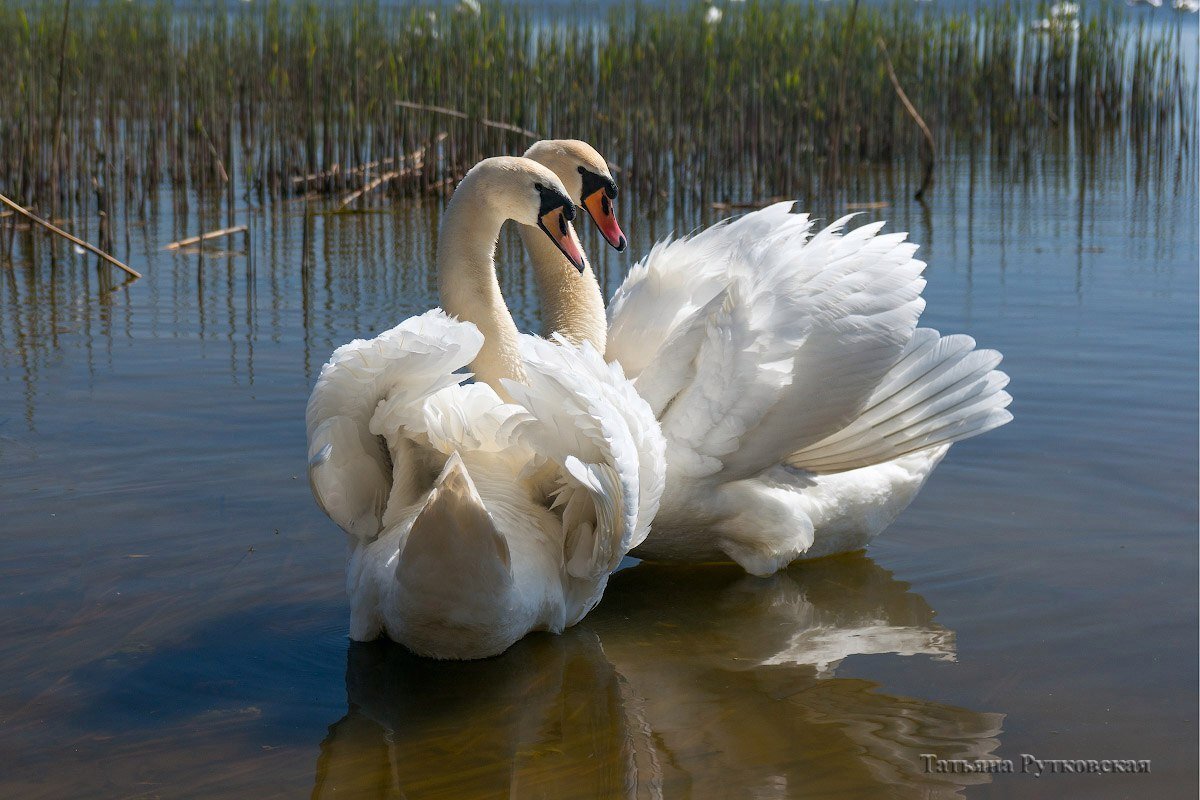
(763, 395)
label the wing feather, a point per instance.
(941, 390)
(757, 338)
(350, 470)
(588, 420)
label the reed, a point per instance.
(278, 98)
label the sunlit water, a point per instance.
(172, 621)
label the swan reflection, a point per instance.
(685, 681)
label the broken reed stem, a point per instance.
(835, 149)
(912, 112)
(58, 110)
(763, 203)
(487, 123)
(375, 184)
(206, 236)
(416, 161)
(60, 232)
(212, 148)
(336, 168)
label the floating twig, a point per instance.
(334, 170)
(731, 206)
(204, 237)
(73, 239)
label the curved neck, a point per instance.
(571, 301)
(469, 288)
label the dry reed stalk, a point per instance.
(73, 239)
(58, 112)
(335, 170)
(763, 203)
(487, 123)
(380, 181)
(204, 237)
(927, 179)
(416, 161)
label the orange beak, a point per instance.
(556, 225)
(600, 207)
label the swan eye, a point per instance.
(539, 187)
(581, 170)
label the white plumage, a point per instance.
(478, 513)
(802, 407)
(457, 549)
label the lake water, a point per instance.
(172, 618)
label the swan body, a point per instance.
(803, 408)
(479, 512)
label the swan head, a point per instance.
(588, 181)
(524, 191)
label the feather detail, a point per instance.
(586, 418)
(350, 470)
(942, 390)
(802, 407)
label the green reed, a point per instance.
(772, 96)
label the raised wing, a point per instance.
(846, 306)
(350, 469)
(942, 390)
(663, 293)
(588, 421)
(772, 339)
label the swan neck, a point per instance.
(571, 302)
(469, 287)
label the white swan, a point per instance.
(478, 513)
(802, 407)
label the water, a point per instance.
(172, 621)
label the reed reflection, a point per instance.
(311, 279)
(685, 681)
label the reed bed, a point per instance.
(102, 102)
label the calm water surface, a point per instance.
(172, 621)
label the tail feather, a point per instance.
(940, 391)
(454, 576)
(453, 546)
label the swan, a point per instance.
(802, 406)
(479, 512)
